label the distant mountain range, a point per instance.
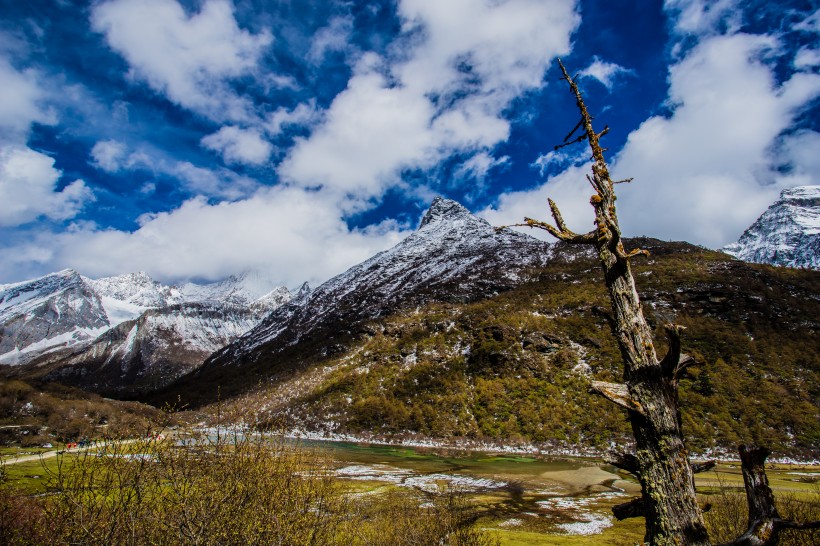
(130, 333)
(126, 332)
(787, 234)
(447, 333)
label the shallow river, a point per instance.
(566, 496)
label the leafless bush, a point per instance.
(728, 516)
(223, 487)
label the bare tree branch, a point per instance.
(624, 461)
(630, 509)
(617, 393)
(577, 126)
(705, 466)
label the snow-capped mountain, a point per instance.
(41, 316)
(158, 347)
(126, 297)
(63, 313)
(787, 234)
(453, 256)
(243, 289)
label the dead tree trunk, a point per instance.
(650, 389)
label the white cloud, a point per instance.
(305, 114)
(604, 72)
(28, 181)
(108, 155)
(334, 37)
(21, 102)
(219, 183)
(508, 44)
(222, 183)
(442, 93)
(370, 133)
(479, 166)
(811, 23)
(569, 189)
(703, 17)
(293, 233)
(705, 173)
(807, 58)
(189, 58)
(707, 170)
(798, 152)
(239, 145)
(560, 158)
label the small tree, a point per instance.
(650, 389)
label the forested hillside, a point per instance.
(516, 366)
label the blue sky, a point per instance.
(202, 138)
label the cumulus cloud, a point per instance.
(28, 181)
(704, 17)
(559, 158)
(444, 92)
(333, 37)
(707, 170)
(810, 23)
(237, 145)
(22, 99)
(799, 159)
(188, 58)
(807, 58)
(704, 173)
(604, 72)
(304, 114)
(108, 155)
(220, 183)
(569, 189)
(289, 231)
(215, 183)
(479, 166)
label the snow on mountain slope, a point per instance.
(787, 234)
(125, 297)
(453, 256)
(273, 299)
(44, 319)
(137, 288)
(158, 347)
(43, 315)
(243, 289)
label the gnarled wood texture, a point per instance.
(650, 389)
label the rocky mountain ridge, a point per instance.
(514, 368)
(786, 234)
(453, 256)
(56, 311)
(465, 331)
(150, 332)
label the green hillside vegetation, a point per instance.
(34, 414)
(515, 367)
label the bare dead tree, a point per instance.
(650, 389)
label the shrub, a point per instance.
(727, 518)
(221, 488)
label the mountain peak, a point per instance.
(444, 209)
(803, 195)
(787, 233)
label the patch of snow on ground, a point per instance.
(589, 521)
(512, 522)
(408, 478)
